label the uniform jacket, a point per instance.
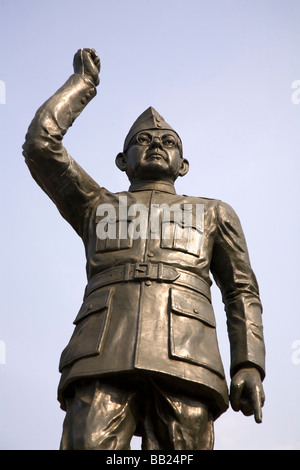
(147, 305)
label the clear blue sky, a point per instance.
(221, 73)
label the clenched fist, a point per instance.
(87, 63)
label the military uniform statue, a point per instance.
(143, 358)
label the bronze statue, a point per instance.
(144, 358)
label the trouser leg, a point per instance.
(176, 421)
(100, 416)
(104, 416)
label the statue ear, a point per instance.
(121, 161)
(184, 167)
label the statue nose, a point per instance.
(156, 143)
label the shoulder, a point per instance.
(211, 203)
(220, 210)
(225, 210)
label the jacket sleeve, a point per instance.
(234, 276)
(62, 179)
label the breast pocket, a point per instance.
(182, 230)
(91, 326)
(192, 331)
(112, 234)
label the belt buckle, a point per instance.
(142, 271)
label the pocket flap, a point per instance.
(193, 305)
(93, 303)
(185, 215)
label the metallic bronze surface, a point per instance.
(146, 321)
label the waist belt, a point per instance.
(148, 271)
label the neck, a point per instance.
(152, 180)
(159, 185)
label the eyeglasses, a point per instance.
(167, 140)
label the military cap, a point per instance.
(148, 120)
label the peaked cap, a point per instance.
(149, 119)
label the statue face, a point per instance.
(154, 154)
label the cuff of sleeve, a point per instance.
(248, 365)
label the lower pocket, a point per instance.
(192, 332)
(91, 326)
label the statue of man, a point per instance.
(143, 358)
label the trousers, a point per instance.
(105, 414)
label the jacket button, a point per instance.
(148, 283)
(196, 311)
(150, 254)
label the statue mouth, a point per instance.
(156, 156)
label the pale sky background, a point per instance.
(221, 73)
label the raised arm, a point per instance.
(63, 180)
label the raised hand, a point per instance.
(87, 63)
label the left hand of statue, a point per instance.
(247, 394)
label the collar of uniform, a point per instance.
(153, 186)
